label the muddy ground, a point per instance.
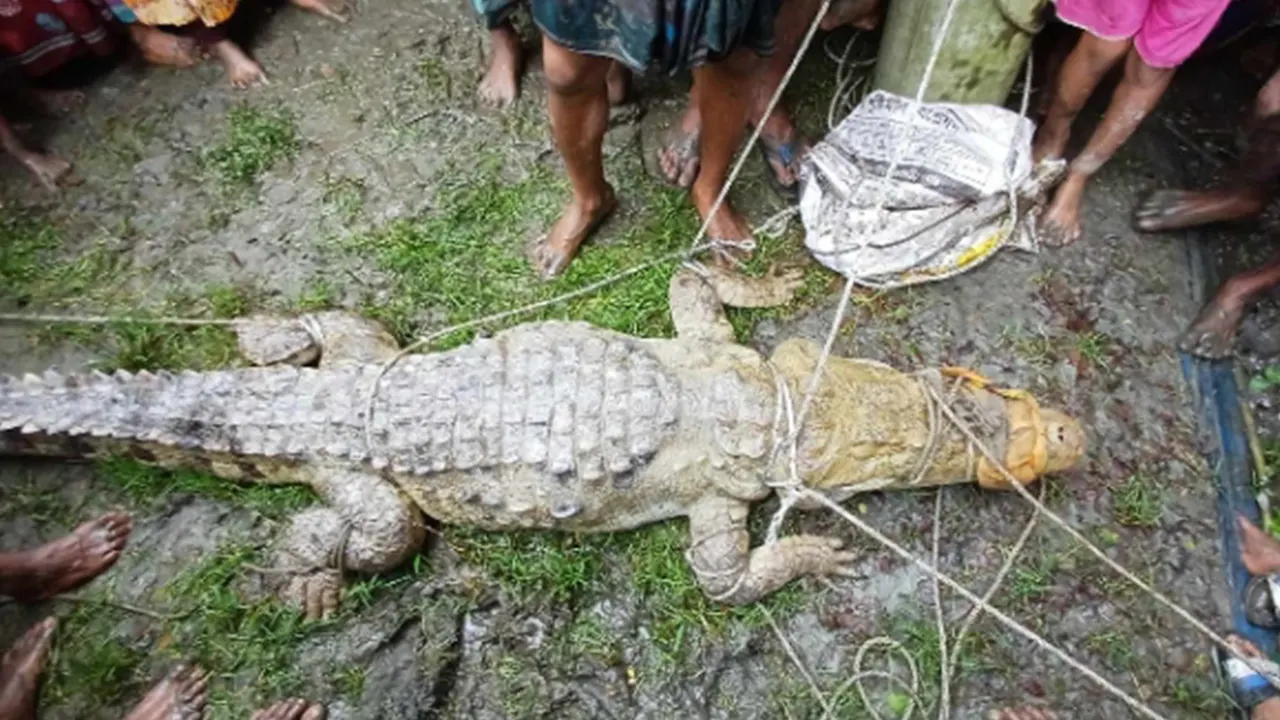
(366, 176)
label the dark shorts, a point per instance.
(670, 35)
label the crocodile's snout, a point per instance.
(1064, 440)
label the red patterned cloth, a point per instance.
(42, 35)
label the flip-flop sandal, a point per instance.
(1261, 598)
(1247, 686)
(785, 155)
(685, 147)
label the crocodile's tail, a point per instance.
(199, 420)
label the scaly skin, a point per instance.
(553, 425)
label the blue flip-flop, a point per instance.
(785, 155)
(1248, 687)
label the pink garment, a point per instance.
(1165, 32)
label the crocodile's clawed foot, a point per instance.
(823, 555)
(270, 340)
(327, 338)
(315, 594)
(778, 287)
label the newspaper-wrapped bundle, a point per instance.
(946, 207)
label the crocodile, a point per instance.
(551, 425)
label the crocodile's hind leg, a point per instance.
(699, 294)
(731, 572)
(367, 527)
(332, 337)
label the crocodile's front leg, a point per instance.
(731, 572)
(698, 295)
(367, 527)
(332, 337)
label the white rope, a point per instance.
(1124, 572)
(845, 295)
(794, 489)
(1137, 705)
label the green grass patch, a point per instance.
(1137, 502)
(466, 258)
(1115, 649)
(148, 487)
(586, 637)
(681, 617)
(1202, 697)
(38, 503)
(248, 647)
(521, 689)
(38, 269)
(256, 140)
(344, 196)
(1095, 347)
(92, 666)
(536, 568)
(348, 681)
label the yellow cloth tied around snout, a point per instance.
(1026, 453)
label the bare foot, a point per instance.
(678, 156)
(335, 10)
(65, 563)
(1259, 552)
(1050, 141)
(295, 709)
(501, 83)
(1165, 210)
(20, 671)
(162, 48)
(1213, 333)
(241, 70)
(180, 696)
(554, 252)
(861, 14)
(783, 148)
(49, 170)
(1023, 713)
(618, 82)
(1060, 224)
(727, 227)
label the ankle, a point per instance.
(594, 200)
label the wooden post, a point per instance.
(982, 55)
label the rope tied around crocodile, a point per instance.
(792, 490)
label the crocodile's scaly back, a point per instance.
(565, 398)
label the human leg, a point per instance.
(1212, 333)
(1135, 97)
(723, 96)
(242, 71)
(1086, 65)
(578, 104)
(162, 48)
(20, 672)
(501, 82)
(47, 169)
